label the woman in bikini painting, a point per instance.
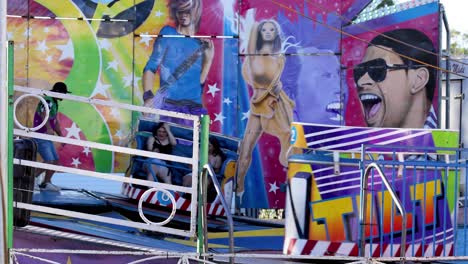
(271, 110)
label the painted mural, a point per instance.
(252, 66)
(428, 192)
(390, 95)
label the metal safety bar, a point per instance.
(208, 169)
(363, 208)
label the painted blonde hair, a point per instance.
(192, 6)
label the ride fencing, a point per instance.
(430, 184)
(167, 190)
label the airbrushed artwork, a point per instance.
(427, 193)
(252, 66)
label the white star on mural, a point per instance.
(219, 117)
(128, 79)
(245, 115)
(145, 39)
(67, 51)
(42, 47)
(73, 131)
(119, 134)
(212, 89)
(9, 36)
(104, 44)
(112, 65)
(27, 32)
(46, 30)
(136, 79)
(227, 101)
(158, 13)
(100, 89)
(273, 187)
(86, 151)
(49, 59)
(21, 46)
(76, 162)
(115, 112)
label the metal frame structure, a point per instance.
(200, 156)
(192, 161)
(444, 162)
(363, 208)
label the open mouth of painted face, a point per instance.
(335, 107)
(372, 104)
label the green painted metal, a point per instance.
(204, 139)
(10, 143)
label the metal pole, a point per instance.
(363, 209)
(204, 138)
(209, 169)
(9, 134)
(362, 205)
(447, 66)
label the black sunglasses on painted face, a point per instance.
(377, 69)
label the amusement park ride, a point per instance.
(412, 181)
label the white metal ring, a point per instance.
(143, 197)
(44, 102)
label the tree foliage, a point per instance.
(458, 44)
(385, 3)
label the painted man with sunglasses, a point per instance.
(395, 82)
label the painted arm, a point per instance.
(151, 67)
(251, 48)
(148, 80)
(207, 59)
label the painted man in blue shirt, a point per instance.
(183, 63)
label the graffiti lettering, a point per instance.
(341, 222)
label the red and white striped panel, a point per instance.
(294, 246)
(182, 203)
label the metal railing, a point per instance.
(207, 169)
(363, 208)
(192, 161)
(430, 184)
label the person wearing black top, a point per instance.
(216, 158)
(162, 141)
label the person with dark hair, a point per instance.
(183, 63)
(46, 147)
(271, 109)
(216, 157)
(162, 141)
(396, 80)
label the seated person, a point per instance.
(216, 157)
(162, 141)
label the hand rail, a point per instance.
(363, 208)
(208, 169)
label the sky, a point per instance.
(456, 11)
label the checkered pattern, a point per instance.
(182, 203)
(294, 246)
